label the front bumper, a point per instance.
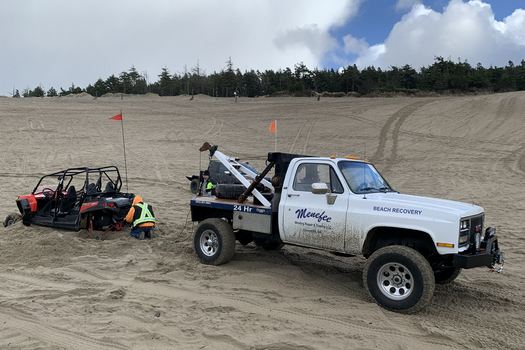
(488, 255)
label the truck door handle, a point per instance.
(292, 195)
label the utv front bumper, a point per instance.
(488, 254)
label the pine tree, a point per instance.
(51, 92)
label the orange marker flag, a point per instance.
(272, 128)
(117, 117)
(120, 118)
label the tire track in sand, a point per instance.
(309, 132)
(397, 119)
(48, 334)
(521, 162)
(515, 161)
(505, 111)
(297, 137)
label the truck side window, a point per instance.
(310, 173)
(336, 186)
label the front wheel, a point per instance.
(399, 278)
(447, 275)
(214, 242)
(12, 219)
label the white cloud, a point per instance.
(57, 42)
(466, 30)
(354, 45)
(311, 38)
(406, 4)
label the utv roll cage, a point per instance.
(65, 177)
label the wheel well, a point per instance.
(201, 213)
(380, 237)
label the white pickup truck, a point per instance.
(346, 207)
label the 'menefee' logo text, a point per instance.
(320, 216)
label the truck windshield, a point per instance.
(363, 177)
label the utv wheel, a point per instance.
(447, 276)
(214, 242)
(194, 186)
(12, 219)
(399, 279)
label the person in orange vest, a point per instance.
(141, 218)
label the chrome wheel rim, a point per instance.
(209, 243)
(395, 281)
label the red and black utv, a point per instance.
(76, 198)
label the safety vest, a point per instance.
(210, 186)
(145, 215)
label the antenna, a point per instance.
(364, 174)
(364, 178)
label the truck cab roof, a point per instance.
(283, 160)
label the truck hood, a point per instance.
(426, 204)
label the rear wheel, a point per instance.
(399, 278)
(244, 238)
(194, 186)
(269, 244)
(214, 242)
(12, 219)
(447, 275)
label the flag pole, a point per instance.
(124, 146)
(275, 148)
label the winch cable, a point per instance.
(185, 223)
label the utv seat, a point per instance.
(68, 203)
(91, 189)
(110, 188)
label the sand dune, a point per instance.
(61, 290)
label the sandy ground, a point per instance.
(61, 290)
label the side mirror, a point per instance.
(319, 188)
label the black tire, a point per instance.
(244, 238)
(229, 191)
(399, 278)
(214, 242)
(26, 219)
(269, 244)
(12, 219)
(194, 186)
(447, 275)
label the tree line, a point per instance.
(442, 76)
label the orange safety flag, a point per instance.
(117, 117)
(272, 128)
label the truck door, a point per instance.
(315, 219)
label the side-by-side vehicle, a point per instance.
(75, 198)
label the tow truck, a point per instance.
(344, 206)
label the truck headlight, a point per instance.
(463, 239)
(464, 232)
